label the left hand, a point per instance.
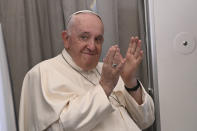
(110, 74)
(133, 59)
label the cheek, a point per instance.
(78, 48)
(81, 46)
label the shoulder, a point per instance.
(44, 65)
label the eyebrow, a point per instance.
(85, 33)
(88, 33)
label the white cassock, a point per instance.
(56, 97)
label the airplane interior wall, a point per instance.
(175, 37)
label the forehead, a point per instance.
(87, 22)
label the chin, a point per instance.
(90, 66)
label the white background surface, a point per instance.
(7, 116)
(177, 72)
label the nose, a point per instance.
(91, 45)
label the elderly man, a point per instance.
(74, 92)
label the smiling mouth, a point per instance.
(90, 53)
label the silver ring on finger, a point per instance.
(114, 65)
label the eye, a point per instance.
(84, 37)
(99, 39)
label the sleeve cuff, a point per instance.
(132, 100)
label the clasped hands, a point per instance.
(114, 65)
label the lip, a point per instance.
(90, 53)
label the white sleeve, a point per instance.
(142, 114)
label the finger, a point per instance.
(136, 39)
(132, 39)
(140, 57)
(114, 54)
(138, 49)
(133, 45)
(110, 54)
(117, 57)
(130, 45)
(120, 66)
(121, 58)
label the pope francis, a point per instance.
(75, 92)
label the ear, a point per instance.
(65, 38)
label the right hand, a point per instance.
(110, 74)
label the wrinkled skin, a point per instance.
(126, 68)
